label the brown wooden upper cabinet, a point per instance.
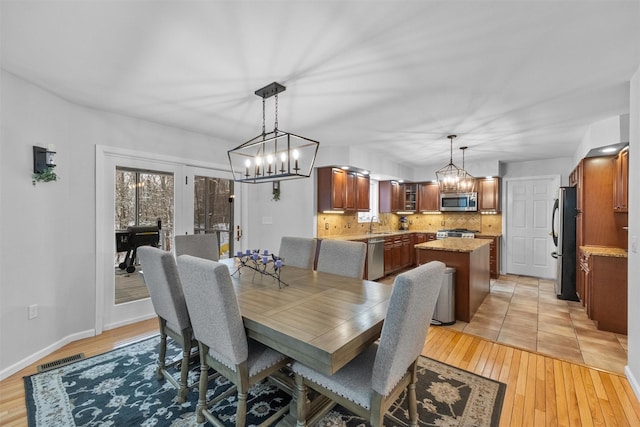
(410, 197)
(390, 196)
(428, 197)
(341, 190)
(488, 194)
(621, 181)
(363, 189)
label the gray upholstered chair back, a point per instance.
(165, 289)
(212, 303)
(199, 245)
(344, 258)
(405, 328)
(298, 251)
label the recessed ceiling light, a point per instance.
(345, 168)
(609, 150)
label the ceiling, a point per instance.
(515, 80)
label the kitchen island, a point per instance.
(470, 258)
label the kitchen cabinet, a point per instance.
(398, 252)
(470, 258)
(332, 184)
(350, 191)
(596, 223)
(406, 253)
(605, 279)
(363, 189)
(420, 238)
(488, 195)
(391, 196)
(341, 190)
(621, 181)
(428, 197)
(410, 197)
(494, 255)
(388, 255)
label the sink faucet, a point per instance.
(371, 223)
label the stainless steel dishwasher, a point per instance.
(375, 259)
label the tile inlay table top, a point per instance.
(319, 319)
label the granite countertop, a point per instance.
(487, 234)
(454, 244)
(604, 251)
(374, 235)
(382, 234)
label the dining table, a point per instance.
(319, 319)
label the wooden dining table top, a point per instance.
(319, 319)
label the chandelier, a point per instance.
(451, 178)
(275, 155)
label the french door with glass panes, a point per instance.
(184, 199)
(211, 203)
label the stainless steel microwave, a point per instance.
(461, 202)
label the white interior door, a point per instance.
(528, 224)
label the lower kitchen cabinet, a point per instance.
(398, 252)
(494, 255)
(605, 290)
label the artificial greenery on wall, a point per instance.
(45, 176)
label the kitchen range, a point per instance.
(457, 232)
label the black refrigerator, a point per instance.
(563, 224)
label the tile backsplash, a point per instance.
(347, 224)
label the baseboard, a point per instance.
(635, 385)
(7, 372)
(129, 321)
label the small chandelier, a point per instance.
(451, 178)
(275, 155)
(468, 182)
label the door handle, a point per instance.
(555, 254)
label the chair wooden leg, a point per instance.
(204, 383)
(163, 352)
(184, 369)
(241, 411)
(413, 407)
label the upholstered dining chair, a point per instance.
(371, 383)
(223, 343)
(298, 251)
(163, 282)
(199, 245)
(342, 257)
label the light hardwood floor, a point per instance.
(541, 390)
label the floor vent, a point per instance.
(60, 362)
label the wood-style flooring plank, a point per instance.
(586, 419)
(541, 391)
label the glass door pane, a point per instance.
(213, 210)
(142, 198)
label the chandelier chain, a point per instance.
(264, 130)
(275, 126)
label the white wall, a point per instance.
(47, 232)
(633, 367)
(600, 133)
(558, 166)
(292, 215)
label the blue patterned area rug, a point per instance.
(119, 388)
